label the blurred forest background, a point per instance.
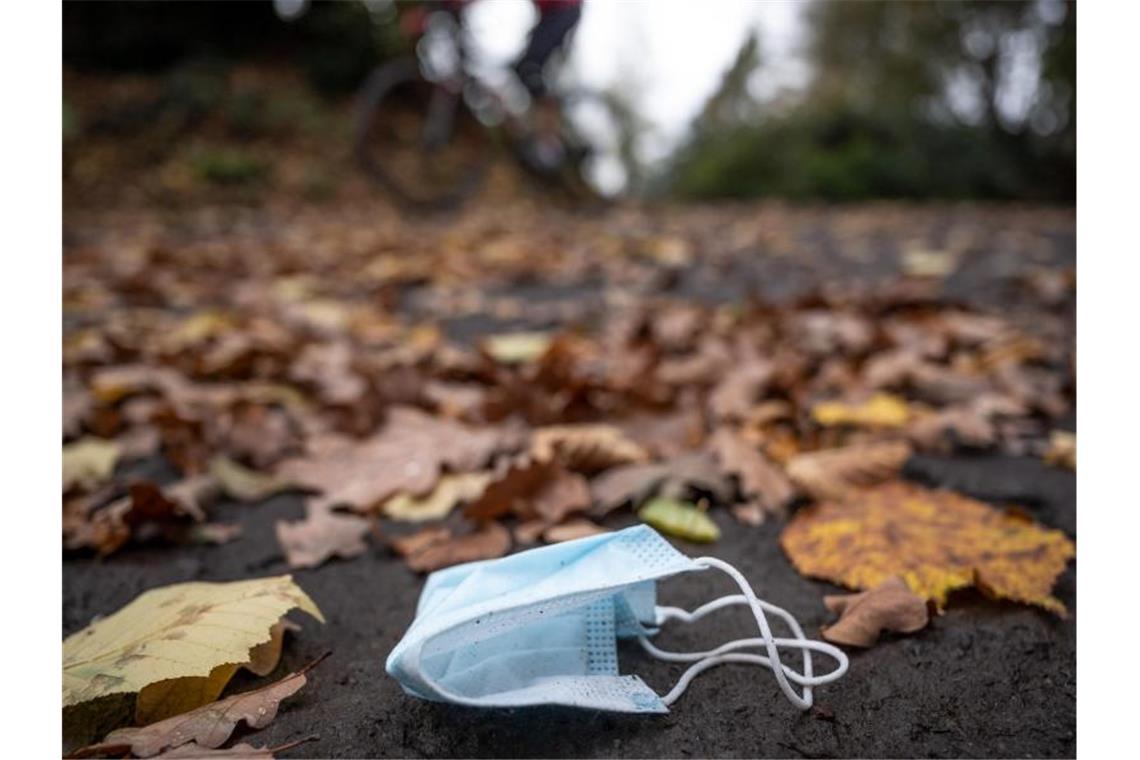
(904, 100)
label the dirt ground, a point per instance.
(985, 679)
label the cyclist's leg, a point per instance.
(556, 21)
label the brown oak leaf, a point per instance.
(572, 529)
(322, 535)
(633, 484)
(761, 481)
(585, 448)
(890, 606)
(436, 548)
(831, 473)
(531, 489)
(406, 456)
(740, 389)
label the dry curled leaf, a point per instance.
(517, 348)
(530, 488)
(890, 606)
(666, 435)
(740, 389)
(174, 512)
(634, 484)
(572, 529)
(1062, 451)
(749, 513)
(585, 448)
(832, 473)
(210, 725)
(243, 484)
(407, 456)
(448, 492)
(435, 548)
(761, 481)
(936, 541)
(322, 535)
(881, 410)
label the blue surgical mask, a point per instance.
(541, 627)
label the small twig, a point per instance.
(292, 744)
(311, 665)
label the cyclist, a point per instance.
(542, 148)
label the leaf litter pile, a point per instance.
(323, 361)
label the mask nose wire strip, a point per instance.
(724, 653)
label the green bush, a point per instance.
(229, 167)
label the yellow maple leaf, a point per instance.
(936, 541)
(879, 411)
(179, 631)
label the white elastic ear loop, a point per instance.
(724, 653)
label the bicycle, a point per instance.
(426, 125)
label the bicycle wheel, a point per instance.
(418, 140)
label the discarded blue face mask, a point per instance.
(541, 627)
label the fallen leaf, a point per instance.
(572, 529)
(76, 406)
(517, 348)
(407, 456)
(243, 484)
(936, 541)
(449, 491)
(328, 367)
(441, 550)
(179, 631)
(740, 389)
(666, 435)
(88, 463)
(529, 488)
(528, 532)
(830, 332)
(761, 481)
(831, 473)
(950, 427)
(928, 263)
(585, 448)
(631, 484)
(174, 512)
(946, 385)
(322, 535)
(211, 725)
(634, 484)
(881, 410)
(749, 514)
(890, 606)
(174, 696)
(1062, 451)
(680, 519)
(139, 443)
